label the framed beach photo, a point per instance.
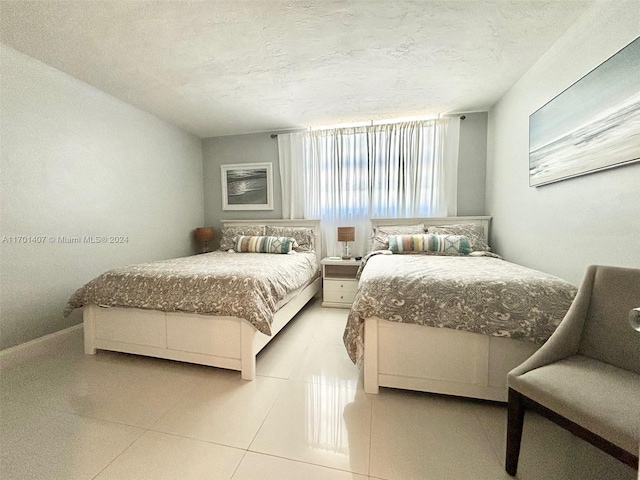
(593, 125)
(247, 186)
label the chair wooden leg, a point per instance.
(515, 421)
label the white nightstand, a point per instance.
(339, 283)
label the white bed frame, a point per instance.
(225, 342)
(439, 360)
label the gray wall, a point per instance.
(76, 161)
(216, 151)
(563, 227)
(472, 164)
(260, 147)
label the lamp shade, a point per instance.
(346, 234)
(204, 234)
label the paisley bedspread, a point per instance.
(244, 285)
(477, 294)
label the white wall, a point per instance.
(76, 161)
(260, 147)
(563, 227)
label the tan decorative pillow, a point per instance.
(304, 236)
(475, 234)
(229, 233)
(380, 235)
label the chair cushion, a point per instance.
(600, 397)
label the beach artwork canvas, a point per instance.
(247, 186)
(592, 125)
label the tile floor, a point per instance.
(112, 416)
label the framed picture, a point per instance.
(593, 125)
(247, 186)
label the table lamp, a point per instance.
(346, 234)
(204, 235)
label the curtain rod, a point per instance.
(462, 117)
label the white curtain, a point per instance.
(292, 177)
(447, 156)
(346, 176)
(337, 188)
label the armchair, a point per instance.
(586, 378)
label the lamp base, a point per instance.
(346, 255)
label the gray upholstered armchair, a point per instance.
(586, 378)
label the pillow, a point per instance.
(447, 244)
(263, 244)
(303, 236)
(229, 233)
(379, 236)
(475, 234)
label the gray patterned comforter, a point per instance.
(244, 285)
(478, 294)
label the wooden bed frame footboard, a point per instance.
(217, 341)
(439, 360)
(225, 342)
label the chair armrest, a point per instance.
(565, 341)
(634, 319)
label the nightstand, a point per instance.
(339, 283)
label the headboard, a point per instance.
(483, 221)
(312, 224)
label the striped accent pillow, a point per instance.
(430, 243)
(263, 244)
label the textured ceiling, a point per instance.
(228, 67)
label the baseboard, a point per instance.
(12, 355)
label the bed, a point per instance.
(450, 324)
(204, 324)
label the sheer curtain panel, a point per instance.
(292, 174)
(346, 176)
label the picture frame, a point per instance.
(590, 126)
(247, 186)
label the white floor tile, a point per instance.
(158, 456)
(328, 365)
(332, 322)
(301, 418)
(63, 347)
(549, 452)
(423, 437)
(46, 444)
(256, 466)
(281, 356)
(321, 424)
(223, 409)
(108, 386)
